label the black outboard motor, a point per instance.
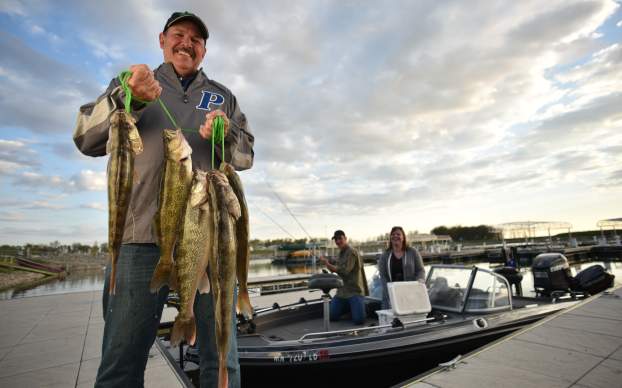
(551, 272)
(593, 280)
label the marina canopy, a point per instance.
(529, 229)
(615, 223)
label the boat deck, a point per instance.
(295, 329)
(580, 347)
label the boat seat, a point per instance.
(324, 282)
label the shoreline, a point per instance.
(21, 279)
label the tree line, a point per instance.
(468, 233)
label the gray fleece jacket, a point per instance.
(189, 109)
(413, 270)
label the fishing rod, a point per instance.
(275, 223)
(288, 210)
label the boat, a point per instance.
(470, 307)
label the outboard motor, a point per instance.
(513, 276)
(593, 280)
(551, 272)
(325, 282)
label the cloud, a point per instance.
(44, 205)
(94, 205)
(13, 7)
(105, 49)
(45, 94)
(16, 155)
(36, 180)
(584, 124)
(613, 180)
(38, 233)
(11, 216)
(88, 180)
(369, 111)
(85, 180)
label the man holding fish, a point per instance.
(135, 291)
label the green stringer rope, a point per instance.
(218, 124)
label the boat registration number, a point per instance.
(302, 356)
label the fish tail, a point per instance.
(244, 303)
(183, 329)
(113, 273)
(203, 285)
(161, 276)
(223, 376)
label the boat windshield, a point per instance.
(447, 287)
(467, 289)
(488, 292)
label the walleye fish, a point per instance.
(191, 258)
(241, 235)
(174, 192)
(228, 213)
(123, 145)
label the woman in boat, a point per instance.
(398, 263)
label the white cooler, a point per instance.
(409, 302)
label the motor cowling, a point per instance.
(593, 280)
(551, 272)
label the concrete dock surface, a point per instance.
(579, 348)
(55, 341)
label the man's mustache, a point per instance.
(187, 50)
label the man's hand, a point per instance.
(326, 262)
(142, 83)
(206, 129)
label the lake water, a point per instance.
(92, 281)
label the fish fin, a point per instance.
(177, 332)
(113, 274)
(161, 276)
(204, 286)
(172, 282)
(244, 303)
(183, 329)
(191, 332)
(223, 376)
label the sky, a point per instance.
(366, 114)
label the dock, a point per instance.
(55, 340)
(579, 348)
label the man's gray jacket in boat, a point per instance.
(188, 108)
(412, 264)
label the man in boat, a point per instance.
(132, 314)
(349, 266)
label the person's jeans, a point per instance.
(132, 316)
(355, 305)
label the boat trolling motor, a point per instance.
(325, 282)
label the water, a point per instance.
(94, 281)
